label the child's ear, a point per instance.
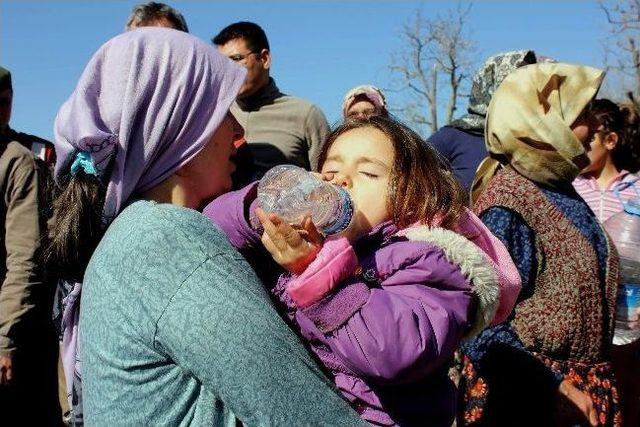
(610, 141)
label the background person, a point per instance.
(278, 128)
(364, 101)
(28, 347)
(155, 14)
(605, 185)
(614, 156)
(164, 338)
(462, 142)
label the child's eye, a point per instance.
(330, 171)
(369, 174)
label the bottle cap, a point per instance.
(346, 214)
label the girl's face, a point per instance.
(599, 149)
(361, 160)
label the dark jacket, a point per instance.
(463, 150)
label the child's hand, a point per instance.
(292, 249)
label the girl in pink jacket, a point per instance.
(385, 304)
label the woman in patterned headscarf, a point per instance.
(550, 362)
(462, 142)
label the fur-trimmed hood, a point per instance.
(483, 259)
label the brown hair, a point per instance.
(624, 121)
(77, 227)
(422, 187)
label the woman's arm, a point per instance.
(232, 212)
(221, 327)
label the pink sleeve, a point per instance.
(335, 262)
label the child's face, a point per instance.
(599, 150)
(361, 160)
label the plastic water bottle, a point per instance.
(624, 229)
(293, 193)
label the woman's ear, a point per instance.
(610, 141)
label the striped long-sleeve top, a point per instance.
(605, 203)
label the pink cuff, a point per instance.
(335, 262)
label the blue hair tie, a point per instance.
(83, 161)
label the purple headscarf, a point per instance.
(148, 101)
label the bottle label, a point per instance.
(346, 214)
(628, 306)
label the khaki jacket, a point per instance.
(20, 235)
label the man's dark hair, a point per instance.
(251, 33)
(147, 14)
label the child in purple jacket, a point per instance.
(385, 304)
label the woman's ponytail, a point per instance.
(77, 226)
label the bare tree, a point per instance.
(436, 56)
(623, 54)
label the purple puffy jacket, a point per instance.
(387, 329)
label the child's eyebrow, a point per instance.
(364, 159)
(335, 157)
(374, 161)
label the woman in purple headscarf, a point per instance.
(173, 327)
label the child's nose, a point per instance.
(342, 180)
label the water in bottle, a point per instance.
(624, 229)
(293, 193)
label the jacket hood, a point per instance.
(484, 260)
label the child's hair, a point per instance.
(422, 187)
(624, 121)
(77, 227)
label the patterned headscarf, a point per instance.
(530, 116)
(485, 83)
(148, 101)
(373, 95)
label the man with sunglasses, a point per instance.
(278, 128)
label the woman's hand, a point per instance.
(579, 404)
(293, 249)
